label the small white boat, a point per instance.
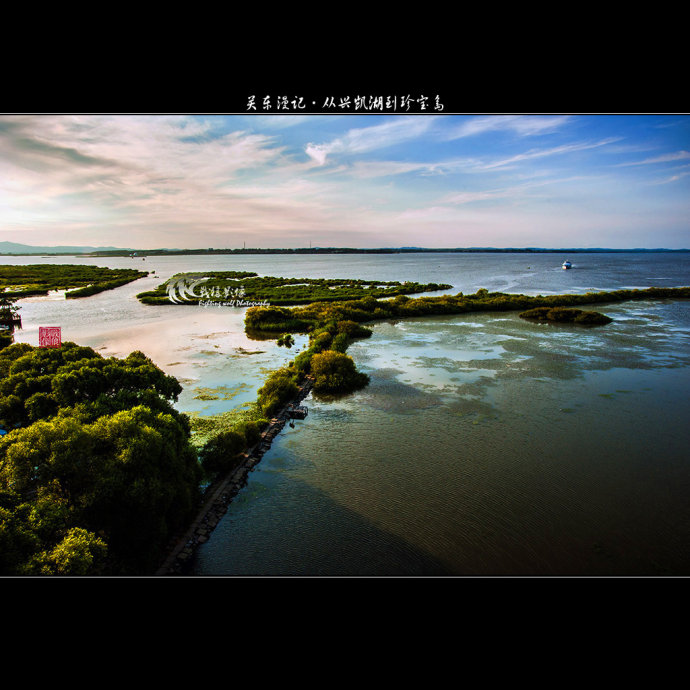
(567, 264)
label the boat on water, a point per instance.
(567, 264)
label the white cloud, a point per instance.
(665, 158)
(367, 169)
(177, 181)
(365, 139)
(543, 153)
(682, 171)
(523, 125)
(471, 197)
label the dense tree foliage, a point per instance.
(36, 382)
(9, 320)
(39, 279)
(280, 387)
(221, 453)
(223, 449)
(97, 471)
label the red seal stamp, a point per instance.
(49, 336)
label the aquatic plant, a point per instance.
(285, 340)
(248, 419)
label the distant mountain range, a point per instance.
(14, 248)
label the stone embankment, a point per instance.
(220, 494)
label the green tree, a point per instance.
(278, 388)
(79, 553)
(35, 383)
(93, 444)
(335, 372)
(220, 454)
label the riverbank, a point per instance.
(221, 493)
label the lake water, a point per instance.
(484, 444)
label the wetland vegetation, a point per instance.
(31, 280)
(250, 287)
(566, 315)
(332, 326)
(310, 317)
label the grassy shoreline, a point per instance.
(245, 286)
(17, 281)
(280, 320)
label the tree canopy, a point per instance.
(97, 471)
(335, 372)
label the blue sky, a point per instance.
(349, 181)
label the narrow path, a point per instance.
(220, 494)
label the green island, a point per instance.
(250, 287)
(79, 281)
(312, 317)
(98, 471)
(333, 326)
(566, 315)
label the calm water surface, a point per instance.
(484, 445)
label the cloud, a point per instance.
(278, 121)
(665, 158)
(522, 125)
(365, 139)
(127, 177)
(188, 181)
(368, 169)
(472, 197)
(522, 191)
(543, 153)
(682, 171)
(125, 159)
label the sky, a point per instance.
(352, 180)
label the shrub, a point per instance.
(566, 315)
(286, 341)
(220, 454)
(279, 387)
(335, 372)
(593, 318)
(251, 432)
(340, 342)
